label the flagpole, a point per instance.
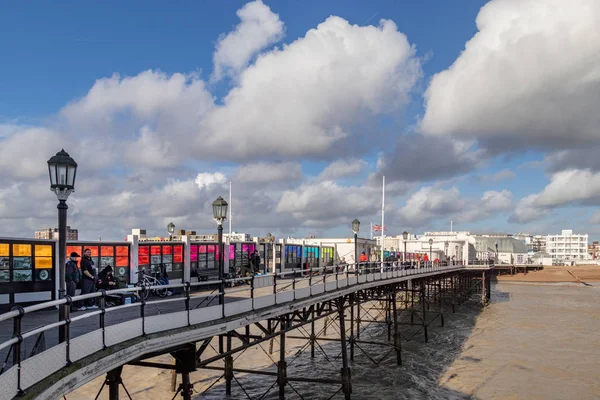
(371, 231)
(230, 212)
(382, 222)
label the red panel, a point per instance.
(144, 250)
(211, 248)
(202, 249)
(122, 251)
(122, 261)
(76, 249)
(179, 258)
(143, 260)
(178, 249)
(155, 250)
(167, 249)
(107, 251)
(93, 249)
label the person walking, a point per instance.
(88, 271)
(72, 278)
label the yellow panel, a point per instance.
(43, 262)
(21, 250)
(4, 249)
(43, 250)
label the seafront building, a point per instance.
(567, 247)
(594, 251)
(52, 233)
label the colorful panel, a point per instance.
(178, 249)
(144, 250)
(43, 250)
(122, 251)
(155, 250)
(167, 249)
(76, 249)
(93, 249)
(20, 250)
(143, 259)
(122, 261)
(4, 248)
(43, 262)
(107, 251)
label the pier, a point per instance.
(250, 311)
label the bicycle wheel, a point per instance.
(162, 292)
(143, 294)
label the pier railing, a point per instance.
(198, 302)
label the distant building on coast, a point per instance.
(51, 233)
(594, 251)
(567, 246)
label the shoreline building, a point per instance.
(52, 233)
(567, 246)
(594, 250)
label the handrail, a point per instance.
(316, 276)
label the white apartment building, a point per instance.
(567, 246)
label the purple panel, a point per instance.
(232, 251)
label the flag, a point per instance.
(377, 228)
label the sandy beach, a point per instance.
(574, 274)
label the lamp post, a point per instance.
(62, 169)
(496, 259)
(430, 248)
(446, 249)
(405, 237)
(456, 252)
(220, 214)
(355, 229)
(268, 250)
(171, 230)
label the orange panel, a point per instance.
(43, 262)
(44, 250)
(122, 261)
(106, 251)
(122, 251)
(21, 250)
(155, 250)
(4, 249)
(76, 249)
(93, 249)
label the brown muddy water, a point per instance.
(534, 341)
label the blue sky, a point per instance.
(487, 113)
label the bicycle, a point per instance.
(146, 281)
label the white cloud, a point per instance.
(259, 27)
(205, 179)
(528, 211)
(324, 203)
(429, 204)
(342, 168)
(307, 97)
(24, 152)
(529, 77)
(595, 218)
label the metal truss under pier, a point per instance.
(404, 309)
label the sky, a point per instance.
(483, 113)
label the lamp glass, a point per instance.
(355, 225)
(62, 170)
(171, 227)
(219, 209)
(430, 242)
(404, 235)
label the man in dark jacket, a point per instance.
(88, 271)
(255, 262)
(72, 277)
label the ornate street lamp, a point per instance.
(62, 169)
(496, 260)
(430, 247)
(405, 237)
(456, 253)
(355, 229)
(446, 249)
(268, 249)
(220, 214)
(171, 230)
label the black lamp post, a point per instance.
(456, 252)
(446, 249)
(355, 229)
(171, 230)
(268, 250)
(430, 247)
(220, 214)
(405, 237)
(496, 260)
(62, 169)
